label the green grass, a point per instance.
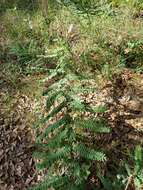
(97, 42)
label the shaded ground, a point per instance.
(124, 98)
(17, 115)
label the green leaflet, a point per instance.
(55, 111)
(57, 140)
(90, 154)
(52, 99)
(77, 105)
(94, 125)
(99, 109)
(106, 182)
(39, 154)
(53, 142)
(65, 120)
(51, 114)
(53, 157)
(138, 159)
(76, 187)
(54, 181)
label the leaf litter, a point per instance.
(123, 98)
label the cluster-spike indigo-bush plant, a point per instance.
(64, 146)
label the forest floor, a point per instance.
(19, 109)
(107, 49)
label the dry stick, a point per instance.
(129, 181)
(44, 7)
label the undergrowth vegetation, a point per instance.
(70, 151)
(74, 43)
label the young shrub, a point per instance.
(65, 146)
